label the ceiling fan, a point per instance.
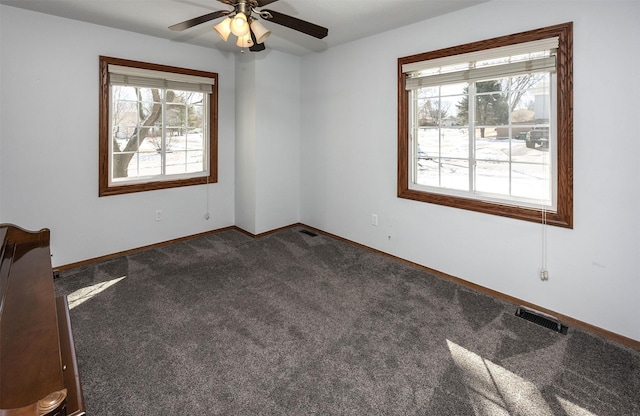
(242, 22)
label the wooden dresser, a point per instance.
(38, 368)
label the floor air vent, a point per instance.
(542, 320)
(307, 232)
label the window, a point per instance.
(158, 126)
(487, 126)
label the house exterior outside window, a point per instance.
(487, 126)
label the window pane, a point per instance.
(492, 177)
(454, 174)
(491, 109)
(176, 162)
(456, 103)
(428, 172)
(195, 118)
(521, 153)
(493, 147)
(176, 115)
(151, 139)
(454, 143)
(499, 140)
(194, 140)
(428, 142)
(175, 139)
(428, 109)
(138, 116)
(122, 133)
(145, 164)
(443, 173)
(506, 111)
(531, 181)
(150, 164)
(195, 161)
(146, 131)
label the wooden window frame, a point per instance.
(104, 187)
(563, 216)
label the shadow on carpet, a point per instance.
(292, 324)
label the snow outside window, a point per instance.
(486, 126)
(158, 127)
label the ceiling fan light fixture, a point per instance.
(261, 33)
(223, 29)
(239, 25)
(242, 22)
(245, 41)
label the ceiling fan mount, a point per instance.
(242, 22)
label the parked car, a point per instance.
(537, 136)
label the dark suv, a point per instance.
(539, 135)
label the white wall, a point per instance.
(278, 140)
(348, 152)
(268, 141)
(49, 139)
(344, 168)
(245, 179)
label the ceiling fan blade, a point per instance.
(256, 47)
(199, 20)
(262, 3)
(297, 24)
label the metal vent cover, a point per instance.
(310, 233)
(542, 320)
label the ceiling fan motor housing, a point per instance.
(243, 7)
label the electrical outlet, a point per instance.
(374, 219)
(158, 215)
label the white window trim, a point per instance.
(486, 196)
(162, 177)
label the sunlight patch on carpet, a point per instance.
(494, 390)
(82, 295)
(573, 409)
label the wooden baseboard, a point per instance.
(139, 249)
(286, 227)
(612, 336)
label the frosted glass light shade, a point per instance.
(223, 29)
(245, 41)
(239, 25)
(261, 33)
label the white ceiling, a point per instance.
(347, 20)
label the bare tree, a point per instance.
(432, 112)
(518, 86)
(122, 158)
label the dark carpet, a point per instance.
(292, 324)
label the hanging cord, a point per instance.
(206, 215)
(544, 273)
